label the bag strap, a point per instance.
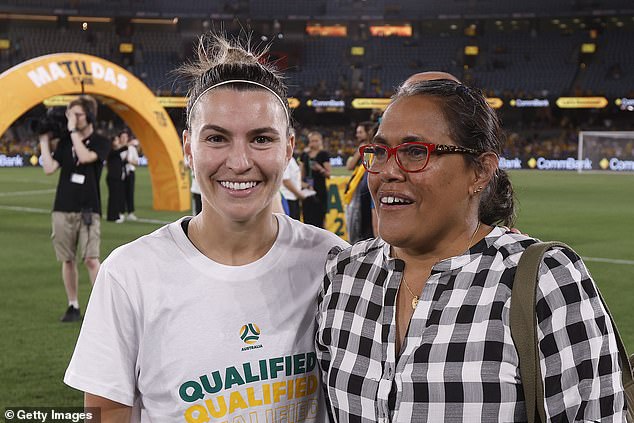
(524, 328)
(524, 332)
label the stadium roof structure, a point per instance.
(321, 9)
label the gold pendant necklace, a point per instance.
(415, 297)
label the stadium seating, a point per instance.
(344, 9)
(540, 58)
(612, 67)
(538, 63)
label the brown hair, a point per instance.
(221, 59)
(369, 126)
(473, 124)
(87, 103)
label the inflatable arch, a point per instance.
(29, 83)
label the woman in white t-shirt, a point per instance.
(292, 188)
(211, 318)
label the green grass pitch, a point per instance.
(591, 212)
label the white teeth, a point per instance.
(238, 186)
(394, 200)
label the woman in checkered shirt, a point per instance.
(414, 325)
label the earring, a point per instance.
(477, 190)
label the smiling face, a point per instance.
(315, 141)
(420, 210)
(361, 134)
(238, 148)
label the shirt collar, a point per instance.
(450, 263)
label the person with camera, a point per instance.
(79, 155)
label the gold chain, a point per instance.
(415, 297)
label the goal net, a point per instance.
(609, 151)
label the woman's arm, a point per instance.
(292, 188)
(111, 411)
(322, 164)
(326, 171)
(103, 363)
(578, 353)
(133, 155)
(352, 161)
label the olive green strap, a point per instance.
(524, 332)
(524, 328)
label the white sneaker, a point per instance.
(121, 219)
(132, 216)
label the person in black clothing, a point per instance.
(130, 157)
(360, 213)
(315, 169)
(77, 209)
(115, 179)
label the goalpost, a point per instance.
(607, 150)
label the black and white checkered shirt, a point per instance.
(458, 362)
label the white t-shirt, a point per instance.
(294, 174)
(132, 155)
(183, 338)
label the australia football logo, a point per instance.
(250, 333)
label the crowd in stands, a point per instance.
(536, 61)
(557, 142)
(348, 9)
(12, 146)
(19, 139)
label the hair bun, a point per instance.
(221, 59)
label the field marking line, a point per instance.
(25, 193)
(164, 222)
(24, 209)
(607, 260)
(44, 181)
(48, 211)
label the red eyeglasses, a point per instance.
(410, 156)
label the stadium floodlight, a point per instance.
(607, 150)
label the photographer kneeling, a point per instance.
(79, 154)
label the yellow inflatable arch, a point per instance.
(29, 83)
